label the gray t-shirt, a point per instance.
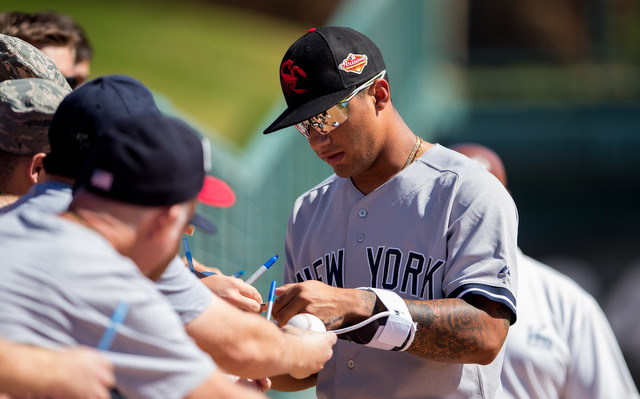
(60, 284)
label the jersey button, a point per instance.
(351, 363)
(361, 237)
(362, 213)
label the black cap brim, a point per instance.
(291, 116)
(203, 224)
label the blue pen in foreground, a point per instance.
(116, 319)
(272, 297)
(261, 270)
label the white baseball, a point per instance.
(307, 321)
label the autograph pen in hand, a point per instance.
(272, 296)
(261, 270)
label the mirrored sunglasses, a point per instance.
(325, 122)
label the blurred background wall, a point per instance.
(553, 86)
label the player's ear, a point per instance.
(381, 94)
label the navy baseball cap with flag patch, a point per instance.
(322, 68)
(149, 160)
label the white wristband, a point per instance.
(399, 329)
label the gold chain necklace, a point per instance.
(414, 152)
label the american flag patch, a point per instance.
(102, 179)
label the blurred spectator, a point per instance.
(562, 345)
(57, 42)
(84, 50)
(26, 106)
(622, 308)
(31, 87)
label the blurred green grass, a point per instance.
(217, 65)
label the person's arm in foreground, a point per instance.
(249, 346)
(74, 373)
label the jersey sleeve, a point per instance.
(482, 243)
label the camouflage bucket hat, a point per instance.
(27, 107)
(20, 60)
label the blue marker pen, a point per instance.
(238, 273)
(261, 270)
(272, 297)
(187, 253)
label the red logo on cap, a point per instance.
(289, 78)
(354, 63)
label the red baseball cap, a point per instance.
(216, 192)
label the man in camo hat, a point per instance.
(19, 60)
(31, 87)
(26, 109)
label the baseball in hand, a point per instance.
(307, 321)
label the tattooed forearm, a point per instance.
(452, 330)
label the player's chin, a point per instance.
(342, 170)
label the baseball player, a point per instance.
(562, 345)
(408, 252)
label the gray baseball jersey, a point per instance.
(61, 282)
(562, 345)
(442, 228)
(185, 293)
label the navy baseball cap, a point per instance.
(87, 112)
(322, 68)
(149, 160)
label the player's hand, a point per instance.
(316, 348)
(235, 291)
(336, 307)
(84, 374)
